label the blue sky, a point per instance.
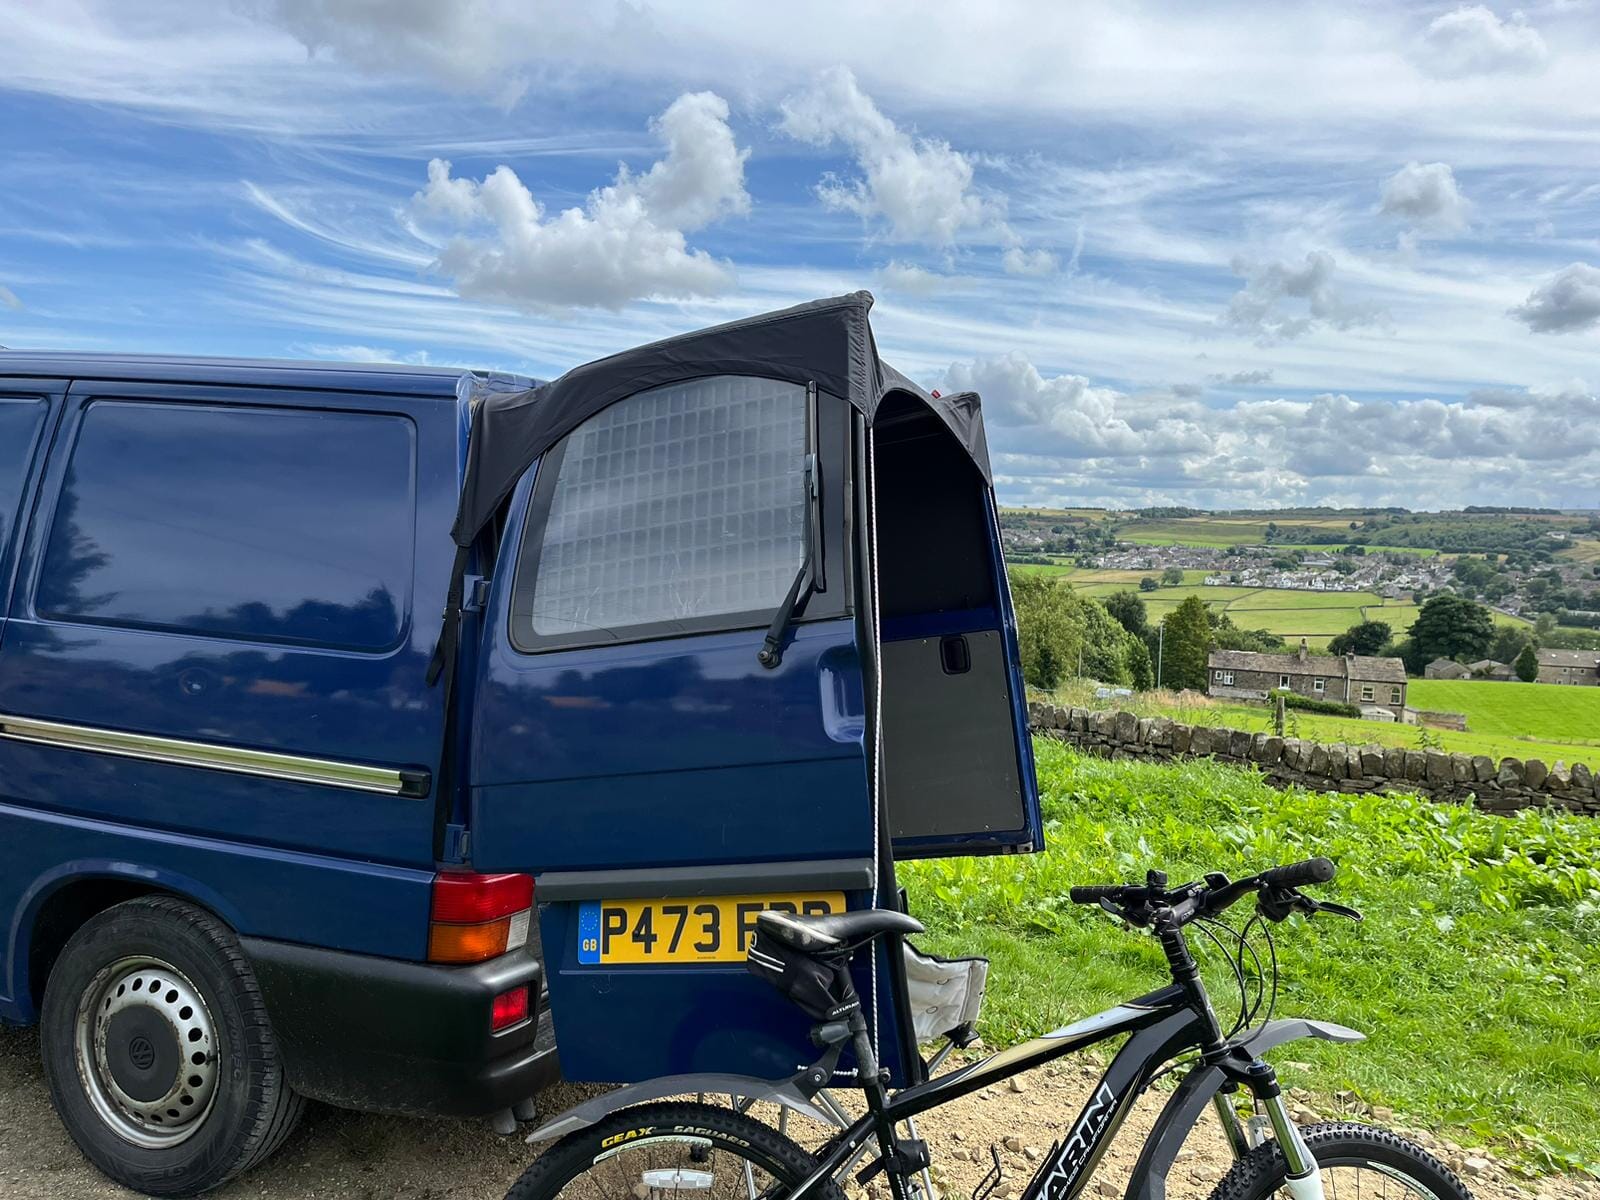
(1224, 255)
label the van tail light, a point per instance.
(510, 1008)
(478, 917)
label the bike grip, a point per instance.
(1094, 893)
(1313, 870)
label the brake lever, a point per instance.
(1338, 910)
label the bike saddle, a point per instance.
(836, 931)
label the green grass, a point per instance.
(1320, 728)
(1542, 710)
(1476, 974)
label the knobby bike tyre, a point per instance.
(1357, 1162)
(721, 1155)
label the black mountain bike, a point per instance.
(615, 1148)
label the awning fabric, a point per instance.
(828, 342)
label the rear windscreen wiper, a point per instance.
(809, 579)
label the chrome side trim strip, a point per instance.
(389, 781)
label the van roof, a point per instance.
(188, 368)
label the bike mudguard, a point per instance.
(742, 1087)
(1193, 1096)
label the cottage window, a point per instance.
(1319, 685)
(1283, 681)
(1367, 692)
(1219, 676)
(1394, 695)
(1227, 677)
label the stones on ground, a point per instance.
(1382, 1113)
(1474, 1164)
(1032, 1153)
(1185, 1155)
(1017, 1084)
(1014, 1144)
(1106, 1188)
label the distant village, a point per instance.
(1393, 576)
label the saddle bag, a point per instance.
(815, 984)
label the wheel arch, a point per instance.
(60, 901)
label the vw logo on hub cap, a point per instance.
(141, 1053)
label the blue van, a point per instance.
(399, 738)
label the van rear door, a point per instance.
(630, 747)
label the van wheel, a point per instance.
(157, 1049)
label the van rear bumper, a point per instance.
(383, 1035)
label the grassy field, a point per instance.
(1288, 612)
(1541, 710)
(1476, 974)
(1583, 746)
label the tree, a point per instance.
(1188, 642)
(1129, 611)
(1508, 643)
(1528, 664)
(1047, 634)
(1141, 671)
(1148, 584)
(1172, 577)
(1449, 627)
(1366, 638)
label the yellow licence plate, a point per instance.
(695, 929)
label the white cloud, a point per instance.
(921, 187)
(1017, 261)
(626, 243)
(1062, 437)
(1567, 302)
(912, 279)
(1260, 306)
(1250, 378)
(1426, 195)
(366, 354)
(1473, 40)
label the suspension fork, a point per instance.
(1302, 1179)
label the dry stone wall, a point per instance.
(1499, 787)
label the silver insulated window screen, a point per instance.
(678, 503)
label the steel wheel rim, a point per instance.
(139, 1017)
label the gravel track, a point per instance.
(347, 1156)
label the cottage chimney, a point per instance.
(1301, 655)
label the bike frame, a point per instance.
(1161, 1026)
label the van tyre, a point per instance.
(157, 1049)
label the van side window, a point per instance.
(680, 509)
(20, 419)
(256, 524)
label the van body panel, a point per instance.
(132, 688)
(368, 908)
(27, 411)
(96, 641)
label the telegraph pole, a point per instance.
(1161, 645)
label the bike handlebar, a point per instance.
(1276, 886)
(1312, 870)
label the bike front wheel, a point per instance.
(1357, 1162)
(671, 1152)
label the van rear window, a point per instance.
(20, 418)
(255, 524)
(679, 509)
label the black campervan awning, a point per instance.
(828, 342)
